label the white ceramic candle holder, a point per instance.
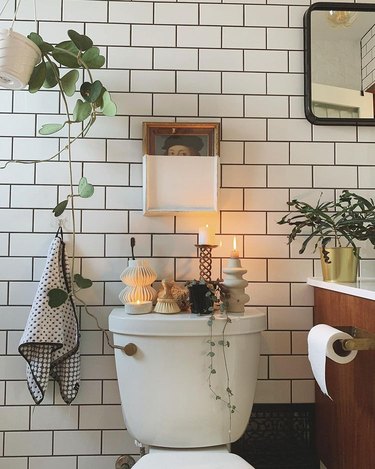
(138, 307)
(233, 280)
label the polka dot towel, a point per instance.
(50, 342)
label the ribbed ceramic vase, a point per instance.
(138, 277)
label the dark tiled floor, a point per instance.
(279, 436)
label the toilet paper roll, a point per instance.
(320, 345)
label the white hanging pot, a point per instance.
(18, 57)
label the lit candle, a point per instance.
(206, 236)
(138, 307)
(234, 254)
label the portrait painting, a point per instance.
(181, 138)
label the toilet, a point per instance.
(163, 380)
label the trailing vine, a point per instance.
(219, 295)
(223, 342)
(76, 53)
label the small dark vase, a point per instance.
(199, 301)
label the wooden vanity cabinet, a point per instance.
(345, 426)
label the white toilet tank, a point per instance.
(164, 387)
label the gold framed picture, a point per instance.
(181, 138)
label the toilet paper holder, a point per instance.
(361, 340)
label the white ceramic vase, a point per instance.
(18, 57)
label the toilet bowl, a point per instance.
(165, 398)
(189, 460)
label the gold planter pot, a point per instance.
(343, 265)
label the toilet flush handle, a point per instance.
(130, 349)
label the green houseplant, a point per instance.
(340, 223)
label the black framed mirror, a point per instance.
(339, 43)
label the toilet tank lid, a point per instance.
(190, 460)
(184, 324)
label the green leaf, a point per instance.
(81, 111)
(108, 107)
(57, 297)
(82, 282)
(92, 58)
(81, 41)
(48, 129)
(85, 189)
(52, 75)
(45, 47)
(91, 92)
(36, 39)
(68, 82)
(62, 53)
(211, 354)
(60, 208)
(37, 78)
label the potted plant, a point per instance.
(341, 223)
(203, 295)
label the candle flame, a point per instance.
(234, 243)
(138, 302)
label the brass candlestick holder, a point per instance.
(205, 260)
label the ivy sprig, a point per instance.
(224, 344)
(76, 53)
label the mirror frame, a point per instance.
(320, 6)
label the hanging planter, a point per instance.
(18, 54)
(18, 57)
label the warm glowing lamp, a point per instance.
(341, 18)
(138, 295)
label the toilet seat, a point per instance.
(192, 460)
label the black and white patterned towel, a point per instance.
(50, 342)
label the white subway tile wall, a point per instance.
(239, 63)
